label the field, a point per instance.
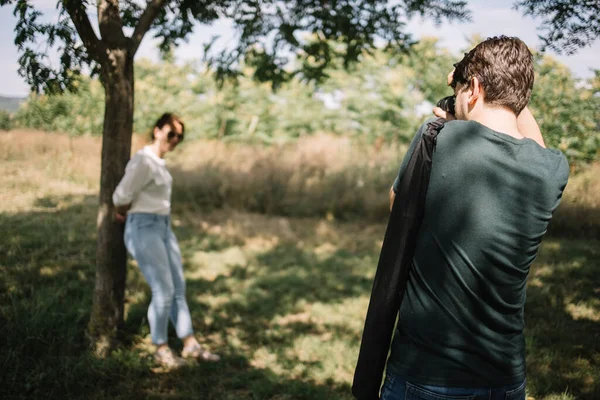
(279, 246)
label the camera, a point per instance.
(447, 104)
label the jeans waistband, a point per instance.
(148, 216)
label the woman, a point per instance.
(143, 199)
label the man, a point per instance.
(492, 191)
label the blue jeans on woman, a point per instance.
(151, 242)
(396, 388)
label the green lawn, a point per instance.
(282, 300)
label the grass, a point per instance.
(281, 298)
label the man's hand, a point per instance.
(438, 112)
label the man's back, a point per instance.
(489, 202)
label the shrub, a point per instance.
(5, 121)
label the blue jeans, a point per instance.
(396, 388)
(151, 242)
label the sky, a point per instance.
(488, 19)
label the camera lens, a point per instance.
(447, 104)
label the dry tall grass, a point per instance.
(41, 165)
(315, 176)
(579, 211)
(323, 175)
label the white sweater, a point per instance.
(146, 185)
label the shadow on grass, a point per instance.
(47, 271)
(266, 306)
(563, 320)
(268, 309)
(287, 276)
(47, 277)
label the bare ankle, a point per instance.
(190, 341)
(162, 347)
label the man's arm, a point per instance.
(529, 128)
(392, 197)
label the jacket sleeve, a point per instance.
(409, 153)
(137, 174)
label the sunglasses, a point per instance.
(171, 135)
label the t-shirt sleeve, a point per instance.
(561, 176)
(408, 154)
(137, 175)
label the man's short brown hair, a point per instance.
(504, 67)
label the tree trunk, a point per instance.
(108, 307)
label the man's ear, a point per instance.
(475, 89)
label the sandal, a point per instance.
(200, 353)
(167, 358)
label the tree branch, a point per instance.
(146, 20)
(76, 10)
(110, 23)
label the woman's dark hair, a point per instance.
(167, 119)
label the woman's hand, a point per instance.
(121, 213)
(121, 217)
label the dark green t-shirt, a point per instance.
(489, 202)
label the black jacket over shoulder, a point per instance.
(394, 264)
